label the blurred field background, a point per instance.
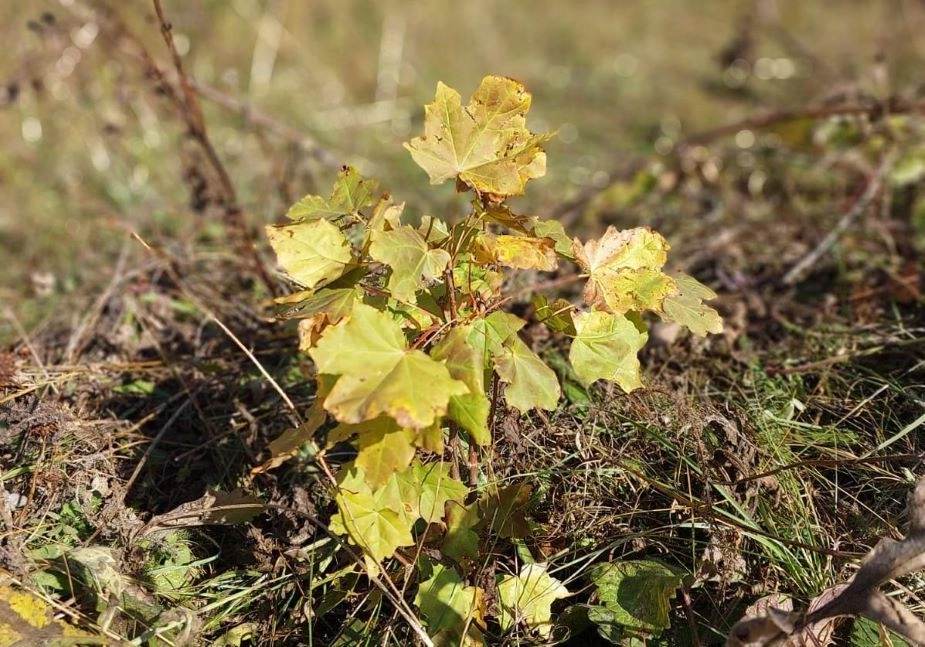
(293, 89)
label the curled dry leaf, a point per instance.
(889, 559)
(772, 617)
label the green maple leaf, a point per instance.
(637, 289)
(554, 229)
(383, 447)
(386, 216)
(606, 347)
(433, 229)
(687, 307)
(414, 264)
(334, 303)
(624, 270)
(425, 489)
(461, 542)
(531, 384)
(471, 412)
(466, 363)
(430, 438)
(485, 144)
(635, 594)
(556, 315)
(382, 454)
(528, 597)
(474, 278)
(373, 519)
(453, 612)
(503, 510)
(490, 334)
(351, 193)
(379, 374)
(312, 253)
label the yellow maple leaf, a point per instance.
(485, 145)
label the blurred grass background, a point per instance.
(90, 148)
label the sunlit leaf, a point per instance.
(312, 253)
(433, 229)
(414, 264)
(527, 598)
(531, 384)
(386, 216)
(490, 334)
(465, 363)
(379, 374)
(372, 519)
(485, 144)
(335, 303)
(351, 193)
(430, 438)
(624, 270)
(453, 612)
(471, 411)
(554, 229)
(28, 620)
(606, 347)
(686, 307)
(635, 594)
(427, 487)
(521, 252)
(383, 448)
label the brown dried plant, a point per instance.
(862, 596)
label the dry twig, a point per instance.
(874, 184)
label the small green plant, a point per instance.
(406, 326)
